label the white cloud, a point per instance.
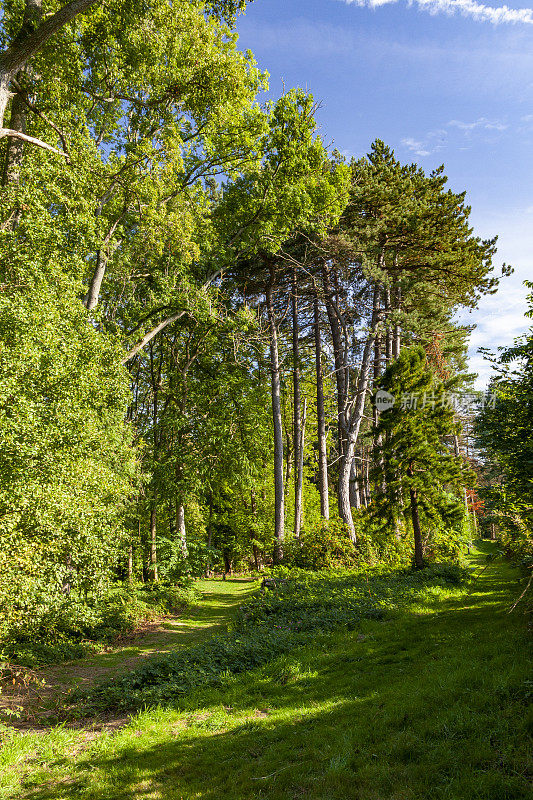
(433, 141)
(481, 123)
(500, 318)
(416, 147)
(466, 8)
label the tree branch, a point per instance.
(23, 48)
(5, 132)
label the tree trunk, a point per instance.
(396, 341)
(279, 502)
(457, 453)
(339, 358)
(321, 418)
(353, 419)
(419, 550)
(227, 562)
(298, 508)
(258, 557)
(378, 357)
(355, 499)
(90, 300)
(180, 529)
(356, 416)
(130, 562)
(368, 493)
(288, 463)
(30, 39)
(15, 147)
(389, 335)
(298, 461)
(153, 541)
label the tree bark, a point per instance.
(15, 147)
(298, 462)
(389, 334)
(355, 498)
(90, 300)
(180, 529)
(354, 418)
(321, 417)
(396, 340)
(258, 558)
(339, 358)
(419, 550)
(298, 509)
(130, 562)
(153, 540)
(279, 502)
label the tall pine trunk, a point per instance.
(396, 339)
(321, 417)
(339, 358)
(130, 562)
(353, 425)
(389, 334)
(298, 460)
(298, 511)
(279, 501)
(356, 416)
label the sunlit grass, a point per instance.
(428, 703)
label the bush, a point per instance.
(328, 546)
(72, 627)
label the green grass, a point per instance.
(429, 703)
(220, 601)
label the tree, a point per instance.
(419, 466)
(294, 188)
(504, 433)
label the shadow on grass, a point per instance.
(415, 707)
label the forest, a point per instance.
(229, 354)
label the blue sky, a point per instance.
(441, 81)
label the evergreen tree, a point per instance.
(420, 470)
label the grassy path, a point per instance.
(429, 704)
(219, 602)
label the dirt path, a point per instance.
(217, 607)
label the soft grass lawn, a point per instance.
(430, 703)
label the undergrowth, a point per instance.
(74, 626)
(272, 623)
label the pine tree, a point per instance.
(420, 469)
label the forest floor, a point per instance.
(429, 703)
(217, 607)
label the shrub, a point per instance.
(71, 627)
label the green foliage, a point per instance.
(504, 432)
(270, 624)
(70, 627)
(416, 458)
(324, 547)
(432, 704)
